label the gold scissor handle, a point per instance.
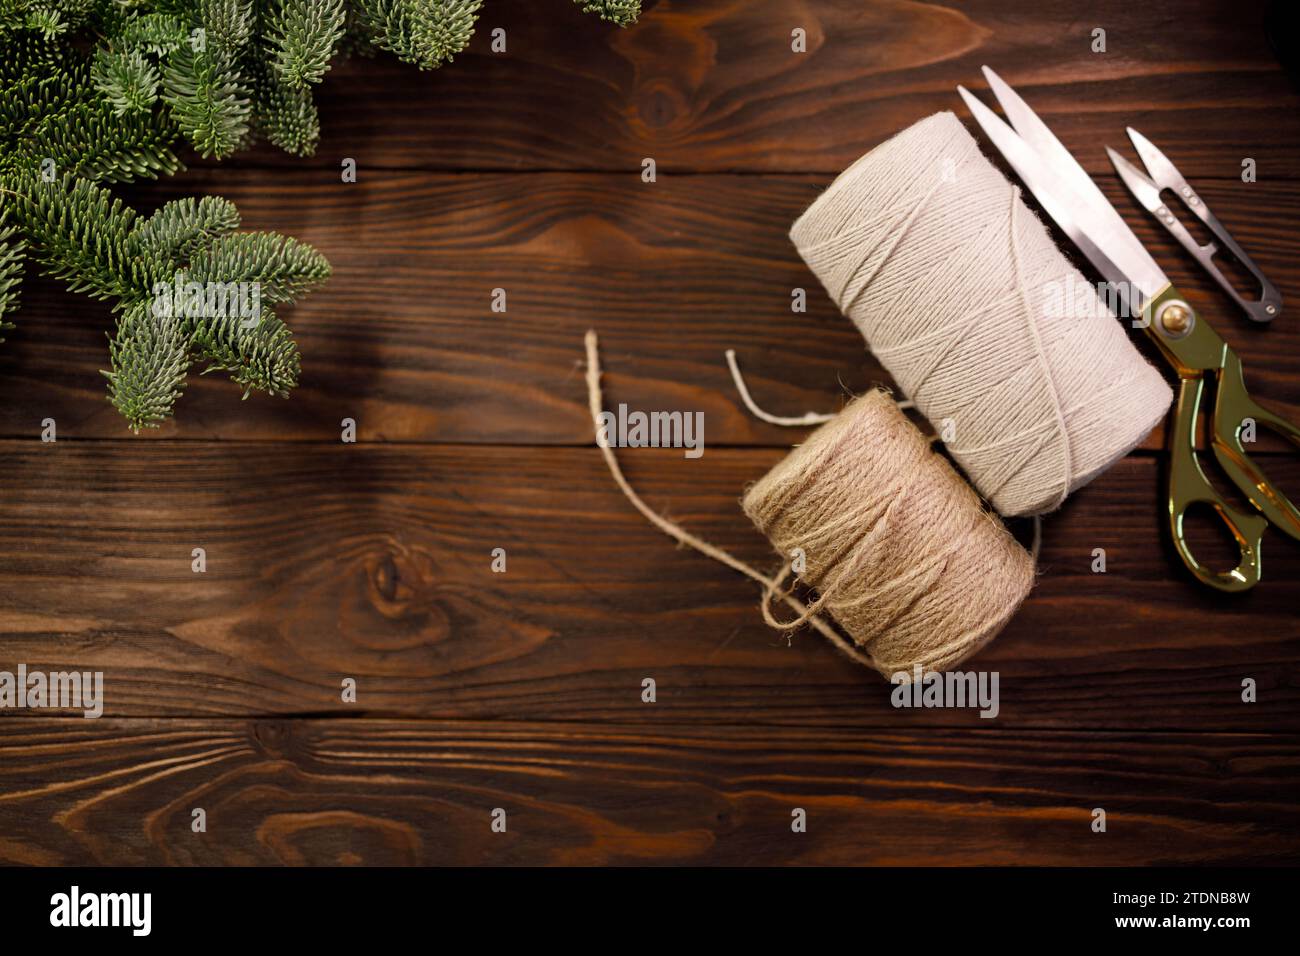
(1188, 486)
(1234, 410)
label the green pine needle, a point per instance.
(25, 53)
(260, 356)
(182, 225)
(154, 33)
(165, 241)
(90, 140)
(46, 20)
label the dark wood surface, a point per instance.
(522, 690)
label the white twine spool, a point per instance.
(952, 281)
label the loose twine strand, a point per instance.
(808, 418)
(861, 548)
(771, 586)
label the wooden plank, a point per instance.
(389, 792)
(403, 339)
(327, 562)
(714, 86)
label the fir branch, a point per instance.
(79, 85)
(302, 36)
(286, 115)
(79, 231)
(426, 33)
(284, 267)
(207, 98)
(26, 101)
(165, 241)
(148, 359)
(227, 23)
(12, 250)
(153, 33)
(261, 356)
(50, 18)
(126, 79)
(46, 20)
(90, 140)
(358, 39)
(24, 53)
(621, 12)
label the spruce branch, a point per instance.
(12, 249)
(426, 33)
(261, 355)
(621, 12)
(227, 23)
(127, 79)
(165, 241)
(148, 359)
(207, 98)
(79, 232)
(285, 114)
(302, 36)
(283, 267)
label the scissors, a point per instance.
(1162, 175)
(1189, 343)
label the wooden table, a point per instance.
(329, 561)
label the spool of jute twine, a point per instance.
(902, 554)
(901, 551)
(983, 323)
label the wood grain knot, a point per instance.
(274, 738)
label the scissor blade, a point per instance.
(1056, 198)
(1043, 141)
(1147, 192)
(1164, 174)
(1089, 215)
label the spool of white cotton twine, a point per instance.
(963, 296)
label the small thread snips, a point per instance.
(1162, 175)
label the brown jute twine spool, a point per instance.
(901, 551)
